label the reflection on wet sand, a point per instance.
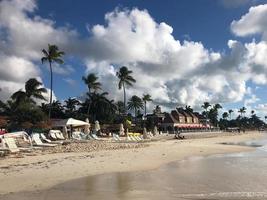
(233, 176)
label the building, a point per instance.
(178, 119)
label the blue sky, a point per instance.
(204, 41)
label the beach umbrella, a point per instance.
(121, 129)
(87, 127)
(145, 133)
(155, 130)
(65, 131)
(97, 126)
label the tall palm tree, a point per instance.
(93, 85)
(230, 113)
(135, 103)
(52, 55)
(242, 111)
(125, 78)
(146, 98)
(33, 90)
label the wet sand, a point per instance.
(44, 176)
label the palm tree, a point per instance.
(33, 90)
(217, 106)
(135, 103)
(242, 111)
(125, 78)
(101, 107)
(120, 107)
(189, 109)
(230, 113)
(206, 105)
(146, 98)
(92, 84)
(52, 55)
(71, 106)
(225, 115)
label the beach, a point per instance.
(41, 172)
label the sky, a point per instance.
(181, 52)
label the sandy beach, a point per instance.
(38, 172)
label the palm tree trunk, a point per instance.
(89, 103)
(51, 88)
(145, 108)
(124, 99)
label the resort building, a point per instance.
(178, 119)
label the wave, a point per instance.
(225, 195)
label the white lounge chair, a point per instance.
(59, 135)
(44, 138)
(12, 146)
(37, 140)
(53, 135)
(76, 135)
(94, 136)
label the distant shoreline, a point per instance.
(40, 172)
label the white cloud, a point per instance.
(21, 39)
(254, 22)
(172, 71)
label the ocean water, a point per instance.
(231, 176)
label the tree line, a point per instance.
(24, 111)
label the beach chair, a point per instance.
(133, 138)
(116, 138)
(138, 138)
(44, 138)
(12, 146)
(53, 135)
(76, 135)
(59, 135)
(94, 136)
(38, 141)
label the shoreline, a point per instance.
(33, 173)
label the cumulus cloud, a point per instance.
(254, 22)
(174, 72)
(21, 39)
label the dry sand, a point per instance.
(38, 172)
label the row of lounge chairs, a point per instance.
(55, 137)
(82, 136)
(129, 138)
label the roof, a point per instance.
(169, 119)
(181, 110)
(69, 122)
